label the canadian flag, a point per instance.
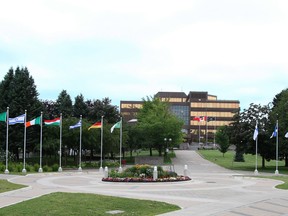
(196, 118)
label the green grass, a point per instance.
(86, 204)
(227, 161)
(216, 156)
(7, 186)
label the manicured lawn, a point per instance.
(7, 186)
(249, 165)
(86, 204)
(227, 161)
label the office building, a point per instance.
(201, 112)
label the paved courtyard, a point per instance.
(212, 191)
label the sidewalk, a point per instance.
(212, 191)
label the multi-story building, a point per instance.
(201, 112)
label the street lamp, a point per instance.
(166, 140)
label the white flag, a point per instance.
(255, 133)
(19, 119)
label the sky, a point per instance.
(129, 49)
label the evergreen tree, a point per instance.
(80, 107)
(64, 104)
(18, 91)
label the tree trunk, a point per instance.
(263, 162)
(286, 160)
(150, 151)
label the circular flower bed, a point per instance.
(143, 173)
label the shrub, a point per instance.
(45, 168)
(36, 167)
(55, 167)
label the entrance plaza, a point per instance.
(212, 191)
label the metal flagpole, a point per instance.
(199, 131)
(24, 149)
(206, 130)
(40, 170)
(101, 168)
(277, 130)
(60, 150)
(7, 134)
(256, 162)
(120, 168)
(80, 147)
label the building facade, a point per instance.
(201, 112)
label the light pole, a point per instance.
(166, 140)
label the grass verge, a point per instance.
(86, 204)
(216, 157)
(8, 186)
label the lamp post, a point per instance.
(166, 140)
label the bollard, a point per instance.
(185, 170)
(106, 172)
(155, 173)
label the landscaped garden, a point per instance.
(144, 173)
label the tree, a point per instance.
(157, 123)
(222, 139)
(18, 91)
(80, 107)
(64, 104)
(280, 112)
(98, 108)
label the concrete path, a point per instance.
(212, 191)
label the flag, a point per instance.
(255, 133)
(286, 135)
(17, 120)
(211, 119)
(76, 125)
(196, 118)
(203, 118)
(3, 116)
(117, 125)
(53, 122)
(96, 125)
(274, 134)
(36, 121)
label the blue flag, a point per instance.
(76, 125)
(17, 120)
(274, 134)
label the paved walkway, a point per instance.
(212, 191)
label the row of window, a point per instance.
(214, 105)
(211, 123)
(213, 114)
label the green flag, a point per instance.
(117, 125)
(3, 116)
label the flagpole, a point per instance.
(277, 130)
(206, 131)
(256, 161)
(80, 147)
(40, 170)
(60, 150)
(24, 149)
(101, 168)
(214, 132)
(7, 134)
(199, 131)
(120, 168)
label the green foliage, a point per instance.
(222, 139)
(46, 168)
(141, 171)
(156, 122)
(55, 167)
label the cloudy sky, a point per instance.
(129, 49)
